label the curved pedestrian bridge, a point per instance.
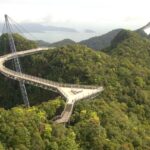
(71, 92)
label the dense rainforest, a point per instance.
(118, 119)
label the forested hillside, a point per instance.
(42, 43)
(62, 43)
(118, 119)
(102, 41)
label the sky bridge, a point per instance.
(71, 92)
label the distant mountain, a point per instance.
(37, 28)
(142, 32)
(104, 41)
(146, 26)
(100, 42)
(62, 43)
(42, 43)
(89, 31)
(121, 36)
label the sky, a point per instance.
(98, 15)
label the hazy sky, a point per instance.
(93, 14)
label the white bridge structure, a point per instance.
(71, 92)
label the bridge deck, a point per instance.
(71, 92)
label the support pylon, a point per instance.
(16, 62)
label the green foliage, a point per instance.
(72, 64)
(1, 146)
(121, 36)
(118, 119)
(28, 128)
(20, 42)
(62, 43)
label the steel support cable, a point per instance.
(3, 29)
(21, 29)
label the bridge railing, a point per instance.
(51, 82)
(23, 53)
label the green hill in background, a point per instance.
(62, 43)
(42, 43)
(102, 41)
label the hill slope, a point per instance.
(42, 43)
(101, 42)
(104, 41)
(62, 43)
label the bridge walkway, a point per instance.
(71, 92)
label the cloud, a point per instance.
(37, 28)
(78, 13)
(134, 18)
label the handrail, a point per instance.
(12, 56)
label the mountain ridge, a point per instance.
(62, 43)
(102, 41)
